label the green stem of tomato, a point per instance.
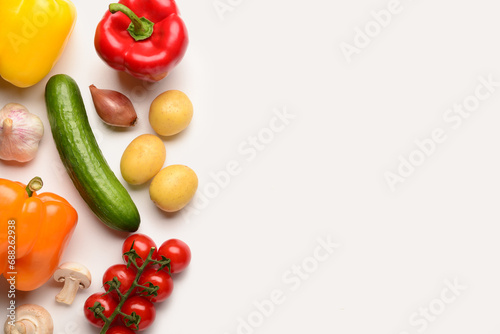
(124, 297)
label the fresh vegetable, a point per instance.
(146, 39)
(113, 107)
(133, 287)
(170, 113)
(173, 187)
(20, 133)
(161, 279)
(83, 159)
(36, 231)
(141, 309)
(142, 159)
(125, 275)
(29, 319)
(101, 304)
(33, 38)
(75, 276)
(142, 245)
(178, 252)
(120, 330)
(94, 309)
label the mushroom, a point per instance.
(75, 276)
(30, 319)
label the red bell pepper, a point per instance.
(145, 38)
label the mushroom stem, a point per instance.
(69, 290)
(24, 326)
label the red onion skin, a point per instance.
(113, 107)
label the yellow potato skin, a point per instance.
(173, 187)
(170, 113)
(142, 159)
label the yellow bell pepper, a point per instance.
(33, 37)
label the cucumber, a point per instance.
(80, 154)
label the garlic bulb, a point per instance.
(20, 133)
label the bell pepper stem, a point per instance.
(140, 28)
(34, 185)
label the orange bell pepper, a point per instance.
(34, 232)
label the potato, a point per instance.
(173, 187)
(170, 113)
(142, 159)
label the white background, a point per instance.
(321, 176)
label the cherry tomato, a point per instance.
(161, 279)
(125, 275)
(143, 308)
(120, 330)
(178, 253)
(142, 245)
(107, 301)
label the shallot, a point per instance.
(113, 107)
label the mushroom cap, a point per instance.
(75, 271)
(30, 317)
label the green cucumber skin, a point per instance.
(80, 154)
